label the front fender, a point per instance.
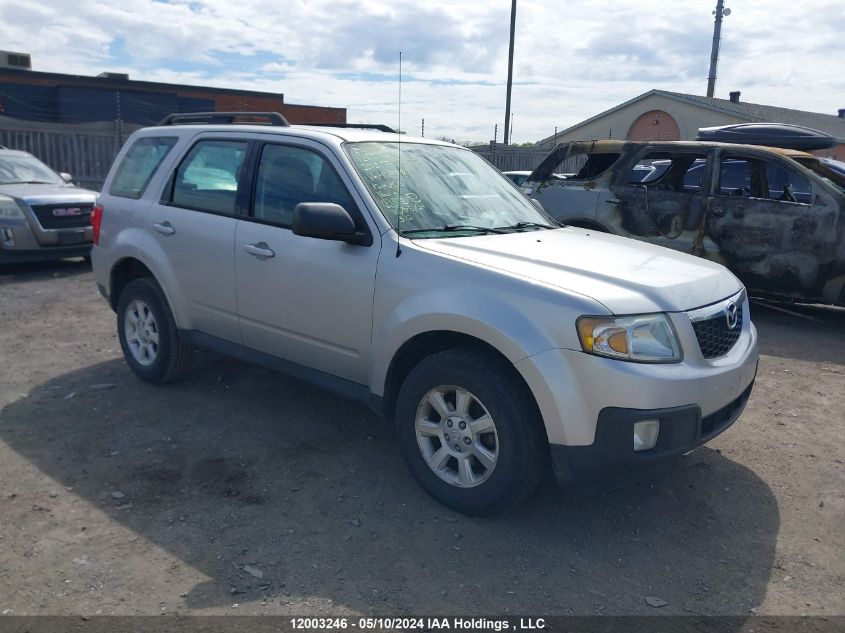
(480, 314)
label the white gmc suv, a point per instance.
(412, 275)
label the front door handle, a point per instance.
(614, 201)
(165, 228)
(260, 250)
(719, 213)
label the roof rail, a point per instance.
(363, 126)
(273, 118)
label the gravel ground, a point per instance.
(242, 491)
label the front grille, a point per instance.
(67, 215)
(714, 336)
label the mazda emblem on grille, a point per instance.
(731, 315)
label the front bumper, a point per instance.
(611, 461)
(43, 254)
(589, 404)
(20, 242)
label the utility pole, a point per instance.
(714, 52)
(422, 128)
(118, 122)
(506, 137)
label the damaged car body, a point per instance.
(774, 217)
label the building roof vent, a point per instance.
(735, 96)
(20, 61)
(107, 75)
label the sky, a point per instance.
(572, 60)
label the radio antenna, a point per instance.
(399, 175)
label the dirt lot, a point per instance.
(242, 491)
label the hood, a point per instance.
(625, 275)
(48, 193)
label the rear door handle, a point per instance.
(165, 228)
(260, 250)
(614, 201)
(719, 213)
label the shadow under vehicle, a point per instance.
(773, 216)
(271, 472)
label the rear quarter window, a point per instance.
(139, 164)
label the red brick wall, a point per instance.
(313, 114)
(837, 152)
(655, 125)
(245, 103)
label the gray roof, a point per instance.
(827, 123)
(752, 112)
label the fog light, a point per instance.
(645, 434)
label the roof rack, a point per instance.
(273, 118)
(362, 126)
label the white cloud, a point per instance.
(572, 59)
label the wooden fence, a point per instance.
(85, 151)
(511, 158)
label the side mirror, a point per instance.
(537, 204)
(66, 176)
(325, 221)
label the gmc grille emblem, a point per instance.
(60, 213)
(731, 315)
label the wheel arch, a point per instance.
(124, 271)
(425, 344)
(136, 254)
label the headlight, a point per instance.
(9, 209)
(645, 338)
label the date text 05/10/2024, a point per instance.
(417, 623)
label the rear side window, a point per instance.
(681, 172)
(208, 177)
(735, 177)
(139, 164)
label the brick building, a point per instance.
(77, 124)
(27, 95)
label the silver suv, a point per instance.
(412, 275)
(42, 215)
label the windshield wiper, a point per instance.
(31, 182)
(448, 228)
(528, 225)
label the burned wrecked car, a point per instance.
(775, 217)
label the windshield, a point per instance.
(20, 168)
(442, 187)
(824, 170)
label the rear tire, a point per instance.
(148, 333)
(470, 432)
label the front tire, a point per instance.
(470, 432)
(148, 333)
